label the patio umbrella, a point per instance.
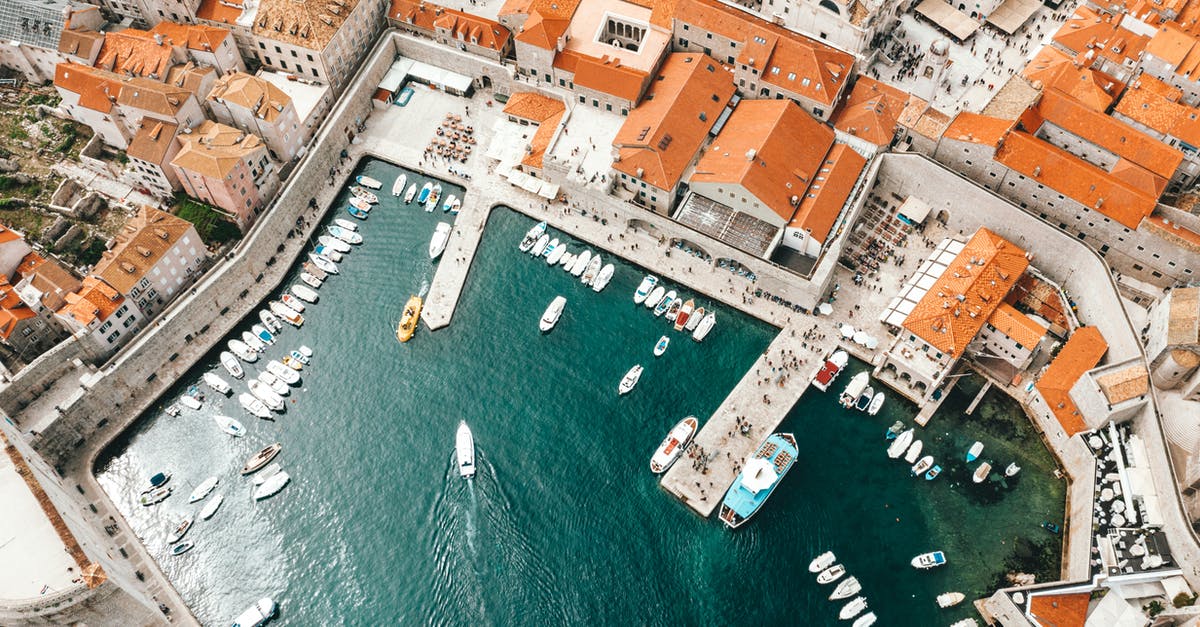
(1137, 550)
(847, 331)
(1118, 506)
(93, 575)
(1106, 494)
(860, 337)
(825, 309)
(1095, 442)
(871, 342)
(1118, 520)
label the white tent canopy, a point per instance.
(549, 190)
(914, 209)
(758, 475)
(958, 24)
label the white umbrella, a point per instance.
(872, 343)
(847, 331)
(1095, 441)
(1106, 494)
(860, 337)
(1118, 506)
(1118, 520)
(825, 309)
(1137, 550)
(758, 475)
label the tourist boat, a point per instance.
(367, 181)
(270, 321)
(644, 288)
(857, 384)
(230, 426)
(966, 622)
(261, 458)
(349, 225)
(292, 362)
(251, 340)
(758, 479)
(847, 588)
(685, 314)
(673, 309)
(202, 490)
(557, 254)
(323, 263)
(252, 404)
(592, 270)
(922, 466)
(925, 561)
(300, 357)
(830, 370)
(181, 530)
(933, 473)
(266, 473)
(330, 241)
(328, 253)
(876, 404)
(982, 472)
(361, 204)
(853, 608)
(305, 293)
(655, 297)
(408, 320)
(356, 212)
(364, 195)
(581, 263)
(256, 615)
(694, 320)
(532, 236)
(914, 452)
(231, 365)
(539, 246)
(974, 451)
(900, 444)
(629, 380)
(1011, 470)
(950, 599)
(554, 243)
(212, 506)
(864, 399)
(602, 279)
(265, 394)
(821, 562)
(399, 184)
(190, 402)
(410, 194)
(894, 430)
(451, 201)
(672, 446)
(441, 235)
(181, 548)
(664, 304)
(431, 202)
(464, 448)
(277, 386)
(831, 574)
(239, 348)
(345, 234)
(706, 325)
(263, 334)
(156, 495)
(311, 280)
(285, 374)
(287, 313)
(866, 620)
(552, 313)
(661, 346)
(272, 485)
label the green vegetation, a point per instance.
(50, 99)
(1154, 609)
(1184, 599)
(68, 141)
(213, 228)
(17, 133)
(86, 251)
(1039, 558)
(13, 186)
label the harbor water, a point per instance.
(564, 523)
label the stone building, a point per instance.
(1082, 352)
(876, 116)
(543, 113)
(100, 317)
(451, 27)
(856, 26)
(1172, 338)
(37, 35)
(227, 168)
(155, 258)
(257, 106)
(150, 154)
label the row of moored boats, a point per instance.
(683, 314)
(587, 266)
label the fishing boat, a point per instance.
(328, 253)
(876, 404)
(644, 288)
(305, 293)
(231, 365)
(292, 362)
(364, 194)
(982, 472)
(300, 357)
(432, 201)
(831, 574)
(291, 316)
(408, 320)
(156, 495)
(266, 473)
(181, 530)
(437, 244)
(539, 246)
(821, 562)
(706, 325)
(451, 201)
(1011, 470)
(330, 241)
(261, 458)
(252, 404)
(694, 320)
(933, 473)
(894, 430)
(554, 243)
(311, 280)
(661, 346)
(251, 340)
(264, 393)
(272, 485)
(629, 380)
(532, 236)
(356, 212)
(269, 321)
(925, 561)
(552, 314)
(672, 446)
(556, 255)
(181, 548)
(285, 374)
(866, 620)
(243, 352)
(900, 444)
(190, 402)
(857, 384)
(263, 334)
(410, 194)
(758, 479)
(349, 225)
(847, 588)
(367, 181)
(214, 381)
(922, 466)
(399, 184)
(346, 235)
(685, 314)
(673, 309)
(830, 370)
(230, 426)
(602, 279)
(864, 399)
(581, 263)
(277, 386)
(853, 608)
(203, 490)
(914, 452)
(323, 263)
(211, 507)
(361, 204)
(464, 449)
(974, 451)
(256, 615)
(657, 294)
(664, 304)
(592, 270)
(950, 599)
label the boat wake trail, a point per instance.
(424, 288)
(472, 515)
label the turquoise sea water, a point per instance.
(564, 523)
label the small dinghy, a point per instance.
(914, 452)
(950, 599)
(156, 495)
(831, 574)
(243, 352)
(437, 243)
(231, 365)
(270, 321)
(345, 224)
(410, 194)
(853, 608)
(900, 444)
(398, 185)
(285, 374)
(821, 562)
(629, 380)
(848, 587)
(293, 302)
(923, 465)
(331, 242)
(290, 315)
(1012, 470)
(181, 548)
(356, 212)
(981, 473)
(202, 490)
(866, 620)
(305, 293)
(346, 235)
(323, 263)
(661, 346)
(273, 382)
(876, 404)
(252, 340)
(266, 473)
(272, 485)
(974, 451)
(261, 332)
(181, 530)
(367, 181)
(230, 426)
(311, 280)
(214, 381)
(261, 458)
(933, 473)
(212, 507)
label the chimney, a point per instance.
(158, 39)
(750, 154)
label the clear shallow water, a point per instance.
(564, 524)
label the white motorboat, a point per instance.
(821, 562)
(266, 473)
(410, 194)
(329, 241)
(398, 185)
(551, 247)
(673, 309)
(567, 261)
(305, 293)
(974, 451)
(311, 280)
(857, 384)
(552, 314)
(581, 263)
(705, 326)
(363, 194)
(250, 403)
(966, 622)
(592, 270)
(243, 352)
(181, 530)
(1012, 470)
(655, 297)
(230, 426)
(630, 379)
(848, 587)
(831, 574)
(664, 304)
(539, 246)
(263, 334)
(291, 316)
(273, 382)
(182, 547)
(323, 263)
(464, 447)
(437, 244)
(328, 253)
(203, 490)
(270, 321)
(853, 608)
(866, 620)
(452, 204)
(367, 181)
(349, 225)
(231, 365)
(950, 599)
(346, 235)
(672, 446)
(921, 466)
(265, 394)
(219, 385)
(256, 615)
(925, 561)
(212, 506)
(661, 346)
(435, 195)
(359, 202)
(155, 495)
(251, 340)
(272, 485)
(556, 255)
(876, 404)
(191, 402)
(285, 374)
(694, 320)
(644, 288)
(261, 458)
(291, 301)
(900, 444)
(982, 472)
(532, 236)
(914, 452)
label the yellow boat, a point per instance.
(408, 321)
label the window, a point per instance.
(309, 58)
(112, 338)
(703, 116)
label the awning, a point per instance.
(914, 209)
(548, 190)
(958, 24)
(1011, 14)
(405, 68)
(531, 184)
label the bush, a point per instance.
(1183, 599)
(213, 228)
(1154, 609)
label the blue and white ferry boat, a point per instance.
(758, 479)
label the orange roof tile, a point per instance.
(1081, 353)
(604, 75)
(95, 301)
(97, 90)
(1109, 133)
(1016, 325)
(134, 51)
(250, 92)
(8, 235)
(978, 129)
(1101, 34)
(214, 150)
(1173, 232)
(954, 309)
(873, 110)
(1157, 106)
(223, 11)
(29, 263)
(1060, 610)
(152, 141)
(547, 22)
(139, 246)
(191, 36)
(1055, 70)
(1177, 48)
(544, 111)
(464, 26)
(662, 134)
(829, 191)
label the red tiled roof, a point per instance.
(604, 75)
(829, 191)
(1101, 34)
(1055, 70)
(978, 129)
(1157, 106)
(546, 112)
(1109, 133)
(464, 26)
(1060, 610)
(1081, 353)
(95, 300)
(873, 110)
(97, 90)
(1016, 325)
